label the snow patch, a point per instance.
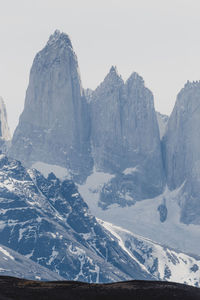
(45, 169)
(91, 189)
(5, 252)
(129, 171)
(143, 218)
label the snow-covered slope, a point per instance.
(45, 169)
(14, 264)
(46, 220)
(157, 218)
(162, 262)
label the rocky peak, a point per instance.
(59, 38)
(113, 76)
(4, 129)
(181, 150)
(135, 78)
(111, 84)
(183, 133)
(54, 126)
(124, 131)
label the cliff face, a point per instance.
(55, 125)
(181, 151)
(114, 130)
(5, 136)
(125, 138)
(162, 123)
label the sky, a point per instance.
(159, 39)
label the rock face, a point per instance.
(125, 138)
(114, 130)
(181, 149)
(54, 126)
(47, 221)
(5, 136)
(162, 123)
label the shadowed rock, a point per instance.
(13, 288)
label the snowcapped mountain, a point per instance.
(162, 262)
(14, 264)
(109, 142)
(47, 221)
(55, 125)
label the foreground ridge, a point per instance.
(15, 288)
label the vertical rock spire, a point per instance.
(54, 126)
(181, 148)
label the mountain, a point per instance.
(112, 129)
(181, 151)
(125, 140)
(5, 136)
(14, 288)
(14, 264)
(108, 141)
(162, 123)
(55, 125)
(158, 219)
(47, 221)
(161, 261)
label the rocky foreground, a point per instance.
(13, 289)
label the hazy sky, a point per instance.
(159, 39)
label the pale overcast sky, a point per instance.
(159, 39)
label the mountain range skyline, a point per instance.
(106, 183)
(151, 38)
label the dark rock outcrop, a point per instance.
(13, 288)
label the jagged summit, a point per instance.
(113, 69)
(190, 84)
(189, 87)
(124, 131)
(59, 37)
(113, 73)
(4, 129)
(112, 80)
(136, 78)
